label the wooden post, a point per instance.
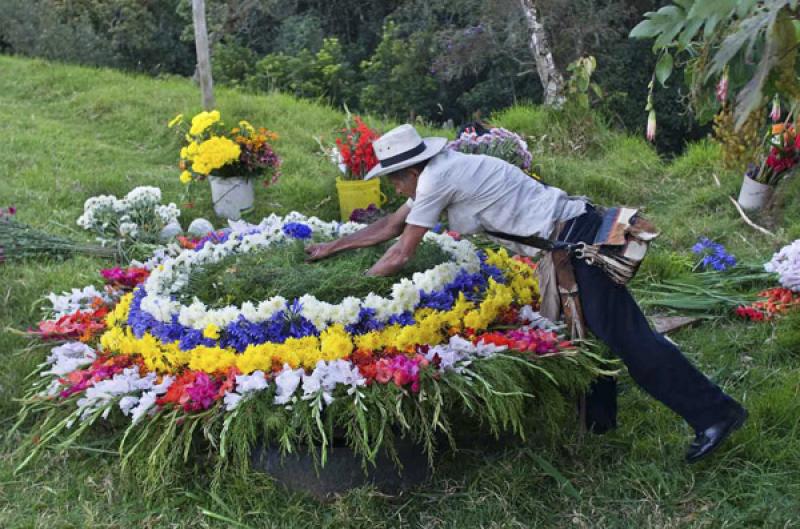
(203, 53)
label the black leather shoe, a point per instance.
(709, 439)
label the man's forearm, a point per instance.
(390, 263)
(377, 232)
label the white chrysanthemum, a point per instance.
(172, 274)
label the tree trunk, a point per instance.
(203, 53)
(552, 81)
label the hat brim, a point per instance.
(433, 146)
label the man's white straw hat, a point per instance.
(403, 147)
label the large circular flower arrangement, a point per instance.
(458, 340)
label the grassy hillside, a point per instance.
(68, 133)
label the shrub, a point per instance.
(231, 63)
(397, 77)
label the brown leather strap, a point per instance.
(568, 292)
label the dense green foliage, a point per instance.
(281, 270)
(111, 136)
(752, 44)
(405, 59)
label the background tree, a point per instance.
(203, 53)
(538, 42)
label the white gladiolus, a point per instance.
(68, 357)
(75, 300)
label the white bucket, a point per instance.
(231, 196)
(754, 195)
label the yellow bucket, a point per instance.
(358, 194)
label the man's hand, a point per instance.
(321, 250)
(399, 253)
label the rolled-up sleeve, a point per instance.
(429, 203)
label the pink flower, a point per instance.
(202, 392)
(651, 126)
(775, 113)
(722, 88)
(128, 277)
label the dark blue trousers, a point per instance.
(654, 363)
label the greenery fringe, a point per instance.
(507, 393)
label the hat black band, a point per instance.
(403, 156)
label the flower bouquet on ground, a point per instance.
(21, 241)
(717, 284)
(238, 341)
(229, 158)
(138, 217)
(781, 149)
(354, 156)
(498, 142)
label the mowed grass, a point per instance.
(69, 133)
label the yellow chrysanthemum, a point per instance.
(211, 332)
(335, 343)
(213, 154)
(247, 126)
(202, 121)
(177, 119)
(186, 177)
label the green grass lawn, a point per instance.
(68, 133)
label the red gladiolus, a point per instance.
(356, 149)
(775, 301)
(83, 325)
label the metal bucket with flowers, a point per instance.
(782, 146)
(229, 159)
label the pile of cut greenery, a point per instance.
(281, 270)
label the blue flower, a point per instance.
(297, 230)
(366, 322)
(713, 254)
(404, 318)
(437, 300)
(241, 333)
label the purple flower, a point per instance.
(297, 230)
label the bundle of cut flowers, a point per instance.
(773, 302)
(782, 146)
(354, 153)
(713, 255)
(786, 263)
(21, 241)
(138, 217)
(460, 337)
(498, 142)
(213, 150)
(722, 286)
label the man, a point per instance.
(482, 193)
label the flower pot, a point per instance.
(358, 194)
(231, 196)
(754, 195)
